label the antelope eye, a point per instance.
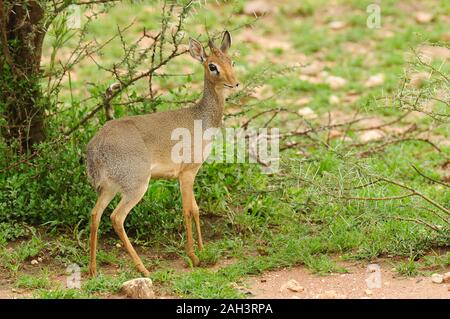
(213, 68)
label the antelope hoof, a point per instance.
(195, 260)
(92, 272)
(144, 272)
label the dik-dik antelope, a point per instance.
(126, 153)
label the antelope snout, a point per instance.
(232, 86)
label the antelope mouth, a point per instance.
(231, 86)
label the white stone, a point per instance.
(337, 25)
(423, 17)
(334, 99)
(375, 80)
(307, 113)
(437, 278)
(293, 286)
(258, 8)
(371, 135)
(335, 82)
(138, 288)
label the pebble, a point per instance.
(423, 17)
(375, 80)
(437, 278)
(334, 99)
(330, 294)
(335, 82)
(293, 286)
(337, 25)
(307, 113)
(446, 277)
(139, 288)
(371, 135)
(258, 8)
(34, 262)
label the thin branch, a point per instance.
(429, 178)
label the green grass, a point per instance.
(33, 281)
(407, 268)
(61, 294)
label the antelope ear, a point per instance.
(196, 50)
(226, 42)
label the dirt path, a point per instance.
(350, 285)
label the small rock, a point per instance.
(292, 285)
(446, 277)
(313, 69)
(139, 288)
(307, 113)
(434, 52)
(385, 34)
(257, 8)
(368, 292)
(330, 294)
(334, 99)
(337, 25)
(375, 80)
(303, 101)
(118, 245)
(34, 262)
(423, 17)
(371, 135)
(40, 259)
(437, 278)
(335, 82)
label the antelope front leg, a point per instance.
(187, 196)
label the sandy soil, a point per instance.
(350, 285)
(270, 284)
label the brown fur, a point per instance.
(126, 153)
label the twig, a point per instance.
(429, 178)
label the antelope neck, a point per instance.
(210, 107)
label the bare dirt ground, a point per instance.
(349, 285)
